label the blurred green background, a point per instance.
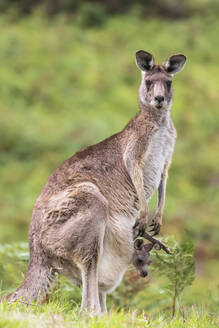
(68, 79)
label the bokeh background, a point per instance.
(68, 79)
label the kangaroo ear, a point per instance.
(148, 247)
(138, 244)
(175, 63)
(144, 60)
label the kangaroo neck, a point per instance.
(161, 117)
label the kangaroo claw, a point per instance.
(155, 228)
(157, 243)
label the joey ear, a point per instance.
(148, 247)
(138, 244)
(175, 63)
(144, 60)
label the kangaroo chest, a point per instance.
(158, 152)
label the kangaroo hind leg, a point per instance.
(88, 252)
(90, 294)
(102, 297)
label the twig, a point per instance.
(156, 241)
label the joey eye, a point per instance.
(140, 262)
(148, 83)
(168, 83)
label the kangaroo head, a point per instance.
(141, 257)
(156, 86)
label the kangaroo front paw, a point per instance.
(155, 228)
(139, 228)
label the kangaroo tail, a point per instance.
(38, 281)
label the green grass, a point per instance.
(55, 315)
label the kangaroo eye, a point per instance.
(169, 83)
(148, 83)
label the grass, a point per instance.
(54, 315)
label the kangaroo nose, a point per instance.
(144, 274)
(159, 99)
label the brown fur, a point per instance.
(83, 218)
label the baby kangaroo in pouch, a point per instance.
(141, 257)
(82, 222)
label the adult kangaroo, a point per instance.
(82, 222)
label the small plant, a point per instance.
(13, 263)
(178, 268)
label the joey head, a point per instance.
(141, 257)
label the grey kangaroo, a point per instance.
(82, 222)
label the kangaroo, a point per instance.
(82, 222)
(141, 257)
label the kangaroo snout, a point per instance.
(159, 99)
(143, 274)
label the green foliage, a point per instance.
(13, 263)
(90, 15)
(177, 268)
(174, 9)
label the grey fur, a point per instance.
(141, 257)
(83, 219)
